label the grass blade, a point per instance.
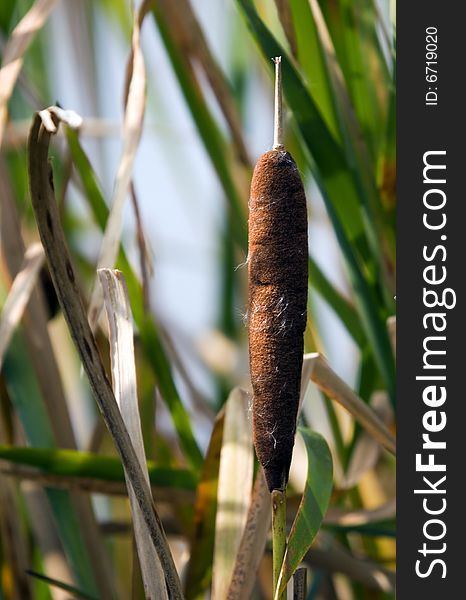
(209, 131)
(312, 60)
(86, 465)
(13, 53)
(331, 556)
(327, 154)
(61, 585)
(391, 325)
(199, 570)
(44, 365)
(366, 451)
(26, 399)
(326, 68)
(188, 35)
(132, 129)
(252, 545)
(353, 29)
(336, 389)
(125, 388)
(53, 240)
(369, 310)
(286, 20)
(340, 305)
(336, 516)
(19, 295)
(234, 490)
(148, 331)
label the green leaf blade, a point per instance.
(312, 61)
(27, 401)
(147, 326)
(74, 463)
(313, 505)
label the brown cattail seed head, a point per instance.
(278, 271)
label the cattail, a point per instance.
(278, 271)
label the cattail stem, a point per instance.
(278, 116)
(278, 536)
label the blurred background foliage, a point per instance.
(208, 116)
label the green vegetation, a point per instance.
(65, 520)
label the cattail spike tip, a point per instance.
(278, 117)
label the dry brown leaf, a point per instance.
(189, 36)
(89, 484)
(336, 389)
(205, 508)
(286, 19)
(132, 129)
(234, 490)
(47, 373)
(19, 295)
(53, 240)
(258, 520)
(15, 544)
(391, 326)
(42, 526)
(337, 516)
(253, 542)
(17, 45)
(125, 389)
(300, 584)
(367, 450)
(331, 556)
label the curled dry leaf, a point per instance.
(61, 269)
(70, 117)
(46, 372)
(16, 132)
